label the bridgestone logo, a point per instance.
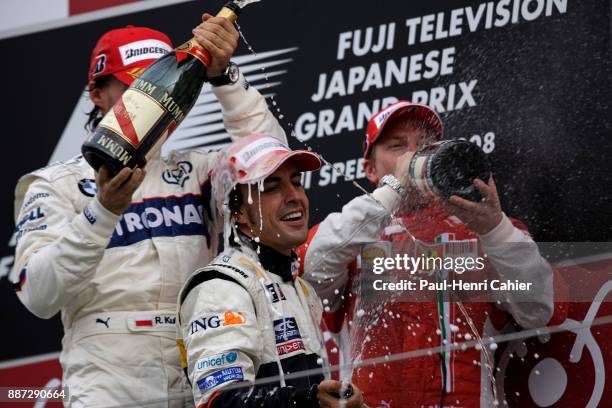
(143, 50)
(261, 147)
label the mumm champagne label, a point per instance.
(139, 110)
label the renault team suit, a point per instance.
(242, 316)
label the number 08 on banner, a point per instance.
(136, 127)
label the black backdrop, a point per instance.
(543, 89)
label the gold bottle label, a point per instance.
(133, 116)
(192, 47)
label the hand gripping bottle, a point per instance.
(143, 118)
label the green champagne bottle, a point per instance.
(143, 118)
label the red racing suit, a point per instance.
(371, 324)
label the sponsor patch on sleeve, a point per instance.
(220, 377)
(216, 361)
(288, 338)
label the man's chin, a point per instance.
(295, 240)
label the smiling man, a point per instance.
(247, 315)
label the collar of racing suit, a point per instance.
(272, 260)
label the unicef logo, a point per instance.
(231, 357)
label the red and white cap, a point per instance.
(252, 159)
(427, 115)
(126, 52)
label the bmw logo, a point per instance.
(88, 187)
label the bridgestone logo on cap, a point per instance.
(384, 115)
(100, 64)
(143, 50)
(248, 155)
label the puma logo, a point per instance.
(98, 320)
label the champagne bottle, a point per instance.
(448, 168)
(143, 118)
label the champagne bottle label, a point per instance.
(192, 47)
(134, 114)
(420, 172)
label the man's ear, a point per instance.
(370, 170)
(94, 93)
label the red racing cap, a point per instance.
(126, 52)
(427, 115)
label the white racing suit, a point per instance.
(375, 324)
(241, 318)
(116, 278)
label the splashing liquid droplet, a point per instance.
(250, 198)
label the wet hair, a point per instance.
(235, 204)
(95, 115)
(235, 200)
